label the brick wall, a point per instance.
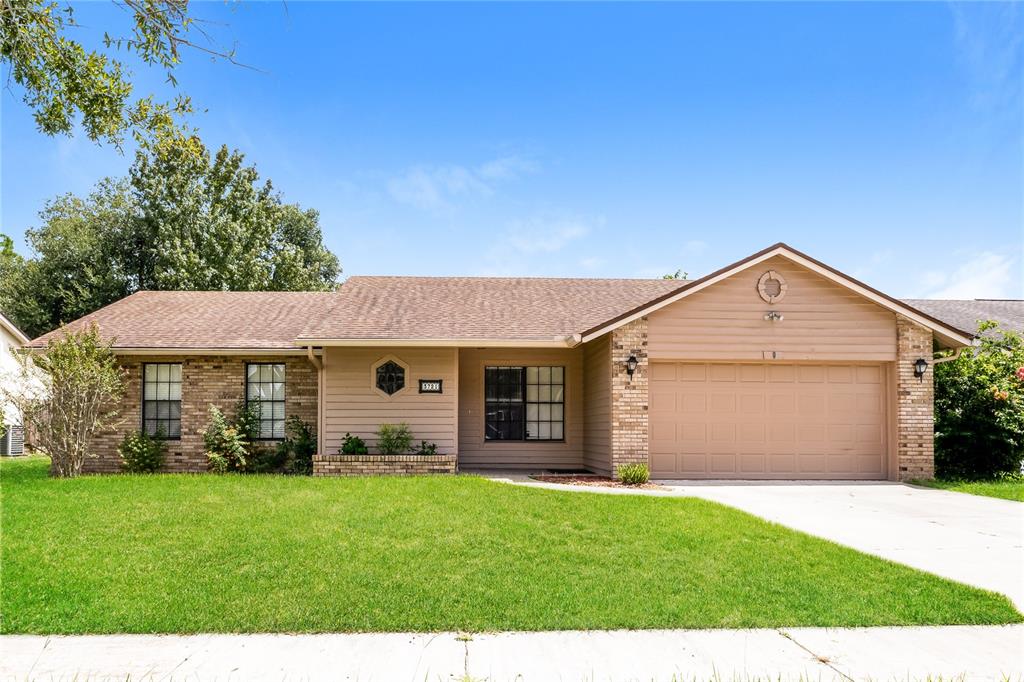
(381, 465)
(915, 423)
(629, 411)
(206, 380)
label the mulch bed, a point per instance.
(592, 481)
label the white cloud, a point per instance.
(986, 275)
(591, 262)
(544, 235)
(438, 187)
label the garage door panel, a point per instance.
(721, 420)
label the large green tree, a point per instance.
(184, 219)
(65, 80)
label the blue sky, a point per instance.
(622, 140)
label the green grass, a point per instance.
(211, 553)
(1007, 489)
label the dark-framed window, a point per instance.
(161, 399)
(524, 403)
(265, 382)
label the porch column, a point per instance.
(915, 416)
(629, 411)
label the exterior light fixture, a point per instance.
(920, 367)
(631, 364)
(773, 316)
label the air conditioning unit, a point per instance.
(13, 441)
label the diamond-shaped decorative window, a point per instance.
(390, 377)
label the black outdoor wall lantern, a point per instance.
(631, 364)
(920, 367)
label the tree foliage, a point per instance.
(63, 81)
(67, 393)
(979, 408)
(183, 219)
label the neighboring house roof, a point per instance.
(477, 309)
(205, 320)
(13, 330)
(1009, 313)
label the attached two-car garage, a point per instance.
(760, 420)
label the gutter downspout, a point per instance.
(319, 365)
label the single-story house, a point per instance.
(774, 367)
(11, 339)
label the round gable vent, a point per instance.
(772, 287)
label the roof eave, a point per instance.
(568, 341)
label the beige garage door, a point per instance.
(711, 420)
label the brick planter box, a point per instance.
(383, 465)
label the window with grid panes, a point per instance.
(524, 403)
(265, 382)
(161, 399)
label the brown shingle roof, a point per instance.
(206, 319)
(966, 314)
(478, 308)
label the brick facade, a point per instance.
(206, 380)
(915, 418)
(383, 465)
(629, 408)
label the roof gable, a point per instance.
(947, 333)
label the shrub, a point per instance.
(225, 445)
(247, 419)
(142, 453)
(634, 474)
(394, 439)
(66, 393)
(426, 448)
(979, 408)
(266, 460)
(298, 447)
(353, 445)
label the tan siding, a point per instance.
(474, 452)
(352, 405)
(597, 405)
(823, 321)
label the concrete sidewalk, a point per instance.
(969, 653)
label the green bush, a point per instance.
(426, 448)
(266, 459)
(353, 445)
(634, 474)
(142, 453)
(979, 408)
(394, 439)
(247, 419)
(225, 445)
(298, 447)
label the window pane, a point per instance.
(556, 412)
(531, 430)
(253, 373)
(557, 375)
(174, 391)
(544, 394)
(278, 391)
(279, 429)
(532, 394)
(174, 428)
(278, 410)
(175, 373)
(545, 412)
(253, 392)
(556, 431)
(149, 393)
(266, 373)
(278, 373)
(175, 411)
(544, 430)
(545, 375)
(266, 429)
(163, 391)
(558, 394)
(531, 375)
(151, 427)
(163, 373)
(150, 372)
(163, 410)
(531, 411)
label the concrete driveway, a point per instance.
(971, 539)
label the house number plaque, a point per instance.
(430, 386)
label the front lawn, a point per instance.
(1007, 489)
(251, 554)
